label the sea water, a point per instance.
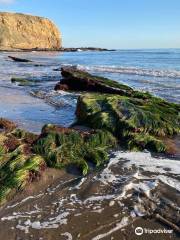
(156, 71)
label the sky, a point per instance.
(122, 24)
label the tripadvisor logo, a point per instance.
(139, 231)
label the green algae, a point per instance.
(55, 147)
(138, 123)
(18, 164)
(74, 148)
(23, 81)
(85, 75)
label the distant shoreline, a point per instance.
(80, 49)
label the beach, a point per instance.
(132, 189)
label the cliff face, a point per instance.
(20, 31)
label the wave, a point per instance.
(133, 71)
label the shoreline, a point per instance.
(118, 190)
(83, 49)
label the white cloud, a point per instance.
(6, 1)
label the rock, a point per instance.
(26, 32)
(22, 81)
(6, 124)
(61, 87)
(85, 49)
(138, 124)
(24, 155)
(77, 80)
(19, 166)
(65, 147)
(19, 59)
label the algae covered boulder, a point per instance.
(6, 124)
(139, 124)
(24, 155)
(78, 80)
(18, 164)
(23, 81)
(63, 147)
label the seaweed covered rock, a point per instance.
(6, 124)
(24, 155)
(78, 80)
(64, 147)
(18, 164)
(22, 81)
(138, 123)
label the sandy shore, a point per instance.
(65, 206)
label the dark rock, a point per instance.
(77, 80)
(22, 81)
(63, 87)
(19, 59)
(85, 49)
(6, 124)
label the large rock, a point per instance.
(78, 80)
(24, 155)
(20, 31)
(138, 123)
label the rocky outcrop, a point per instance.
(138, 119)
(19, 59)
(24, 155)
(77, 80)
(139, 124)
(83, 49)
(26, 32)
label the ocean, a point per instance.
(156, 71)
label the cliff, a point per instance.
(26, 32)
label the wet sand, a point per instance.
(108, 204)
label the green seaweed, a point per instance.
(64, 149)
(23, 81)
(132, 120)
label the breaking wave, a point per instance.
(133, 71)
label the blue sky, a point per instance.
(108, 23)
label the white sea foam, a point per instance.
(124, 222)
(149, 163)
(146, 162)
(50, 223)
(17, 215)
(25, 200)
(99, 198)
(133, 70)
(170, 181)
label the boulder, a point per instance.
(23, 82)
(26, 32)
(78, 80)
(24, 155)
(19, 59)
(138, 124)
